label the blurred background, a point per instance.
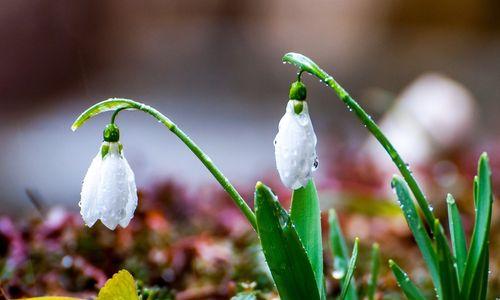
(214, 67)
(427, 71)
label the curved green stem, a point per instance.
(115, 113)
(307, 65)
(120, 104)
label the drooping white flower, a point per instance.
(109, 192)
(295, 147)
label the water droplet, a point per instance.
(338, 274)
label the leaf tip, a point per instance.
(484, 155)
(449, 199)
(259, 185)
(391, 263)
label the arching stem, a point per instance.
(121, 104)
(115, 113)
(307, 65)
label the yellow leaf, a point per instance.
(120, 287)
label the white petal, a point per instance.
(132, 195)
(113, 192)
(295, 148)
(88, 207)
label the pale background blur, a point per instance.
(214, 67)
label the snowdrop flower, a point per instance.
(295, 143)
(109, 192)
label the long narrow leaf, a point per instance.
(446, 262)
(306, 216)
(350, 270)
(458, 241)
(375, 266)
(284, 252)
(409, 288)
(478, 250)
(419, 233)
(340, 254)
(480, 284)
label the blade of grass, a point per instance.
(350, 270)
(480, 284)
(284, 252)
(478, 250)
(419, 233)
(375, 266)
(447, 271)
(340, 254)
(457, 237)
(306, 216)
(409, 288)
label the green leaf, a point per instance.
(480, 284)
(340, 254)
(409, 288)
(350, 270)
(478, 252)
(306, 216)
(417, 228)
(120, 287)
(457, 237)
(284, 252)
(375, 267)
(447, 271)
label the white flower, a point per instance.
(109, 192)
(295, 147)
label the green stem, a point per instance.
(307, 65)
(115, 113)
(120, 104)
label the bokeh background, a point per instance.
(214, 67)
(428, 71)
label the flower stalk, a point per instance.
(307, 65)
(118, 104)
